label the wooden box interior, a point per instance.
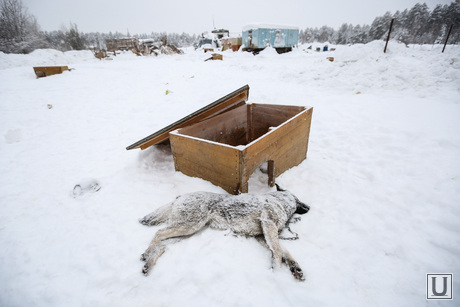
(242, 125)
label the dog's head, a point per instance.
(301, 208)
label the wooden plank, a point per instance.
(249, 120)
(271, 172)
(266, 116)
(275, 115)
(278, 136)
(290, 109)
(44, 71)
(210, 161)
(224, 104)
(287, 146)
(228, 128)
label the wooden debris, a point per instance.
(45, 71)
(215, 56)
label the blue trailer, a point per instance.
(257, 37)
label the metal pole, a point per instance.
(448, 34)
(388, 37)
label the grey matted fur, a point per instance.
(259, 215)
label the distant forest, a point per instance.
(412, 26)
(20, 31)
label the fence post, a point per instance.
(448, 34)
(388, 37)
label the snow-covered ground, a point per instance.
(382, 178)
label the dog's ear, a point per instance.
(278, 188)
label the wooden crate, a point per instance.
(228, 148)
(45, 71)
(226, 141)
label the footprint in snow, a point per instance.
(85, 187)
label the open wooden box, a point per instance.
(226, 141)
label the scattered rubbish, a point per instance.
(150, 46)
(45, 71)
(122, 44)
(168, 92)
(100, 54)
(142, 47)
(210, 41)
(231, 43)
(85, 186)
(215, 56)
(227, 140)
(330, 58)
(50, 106)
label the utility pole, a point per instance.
(388, 37)
(448, 34)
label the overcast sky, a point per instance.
(197, 16)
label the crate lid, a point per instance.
(224, 104)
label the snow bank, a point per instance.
(45, 57)
(382, 178)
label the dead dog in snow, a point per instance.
(261, 216)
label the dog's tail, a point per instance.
(157, 217)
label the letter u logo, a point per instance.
(433, 286)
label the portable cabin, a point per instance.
(282, 38)
(227, 140)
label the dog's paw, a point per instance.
(145, 256)
(145, 270)
(143, 221)
(296, 270)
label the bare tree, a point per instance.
(19, 31)
(14, 20)
(74, 38)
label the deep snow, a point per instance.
(382, 178)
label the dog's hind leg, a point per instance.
(158, 216)
(153, 257)
(270, 231)
(157, 252)
(157, 247)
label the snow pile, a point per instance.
(268, 52)
(382, 178)
(45, 57)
